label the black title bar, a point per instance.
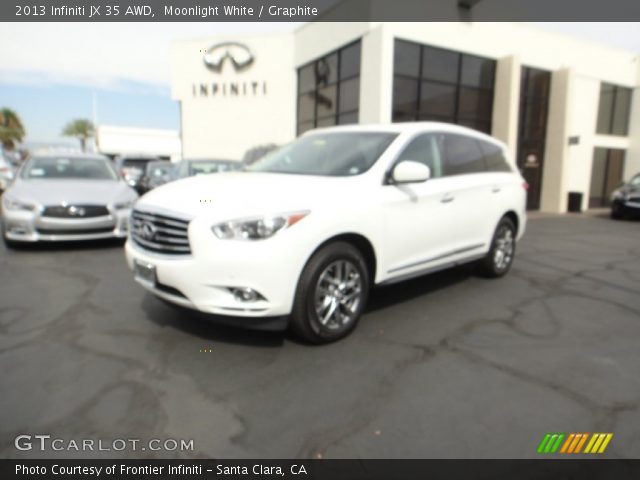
(583, 469)
(316, 10)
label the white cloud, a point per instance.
(102, 54)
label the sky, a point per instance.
(51, 73)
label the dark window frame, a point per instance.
(609, 129)
(418, 114)
(316, 120)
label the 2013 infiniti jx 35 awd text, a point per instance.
(309, 229)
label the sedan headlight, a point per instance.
(256, 228)
(13, 204)
(124, 205)
(619, 195)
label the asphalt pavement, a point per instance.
(450, 365)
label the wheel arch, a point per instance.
(360, 242)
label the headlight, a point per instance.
(13, 204)
(124, 205)
(619, 195)
(256, 228)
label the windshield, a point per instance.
(64, 168)
(327, 154)
(158, 169)
(635, 181)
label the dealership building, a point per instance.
(569, 110)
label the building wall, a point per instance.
(226, 125)
(112, 140)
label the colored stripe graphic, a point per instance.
(572, 443)
(550, 443)
(598, 443)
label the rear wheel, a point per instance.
(503, 249)
(331, 294)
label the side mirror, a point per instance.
(409, 171)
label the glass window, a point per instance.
(306, 79)
(424, 149)
(494, 158)
(621, 107)
(406, 59)
(327, 154)
(349, 96)
(613, 110)
(329, 88)
(477, 72)
(306, 106)
(85, 168)
(462, 155)
(452, 87)
(405, 98)
(350, 61)
(440, 65)
(437, 99)
(326, 101)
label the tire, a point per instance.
(502, 252)
(616, 212)
(334, 283)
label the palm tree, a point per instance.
(80, 128)
(11, 128)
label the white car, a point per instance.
(308, 230)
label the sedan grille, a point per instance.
(75, 211)
(160, 233)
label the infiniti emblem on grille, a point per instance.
(76, 211)
(147, 230)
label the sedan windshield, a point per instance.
(327, 154)
(69, 168)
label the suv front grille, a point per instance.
(160, 233)
(75, 211)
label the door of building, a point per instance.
(535, 87)
(606, 175)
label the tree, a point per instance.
(11, 128)
(80, 128)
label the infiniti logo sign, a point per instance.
(235, 53)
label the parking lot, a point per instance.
(449, 365)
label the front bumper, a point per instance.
(203, 279)
(27, 226)
(626, 207)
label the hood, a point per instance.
(238, 194)
(54, 192)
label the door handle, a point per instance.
(448, 198)
(495, 189)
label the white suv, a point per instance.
(304, 234)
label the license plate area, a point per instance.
(145, 272)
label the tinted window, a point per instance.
(424, 149)
(613, 110)
(494, 158)
(329, 89)
(442, 85)
(462, 155)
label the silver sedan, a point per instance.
(66, 197)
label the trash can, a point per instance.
(575, 202)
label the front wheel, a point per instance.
(331, 294)
(503, 248)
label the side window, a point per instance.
(424, 149)
(462, 155)
(494, 157)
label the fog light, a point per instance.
(246, 294)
